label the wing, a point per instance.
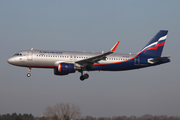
(95, 59)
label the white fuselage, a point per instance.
(51, 59)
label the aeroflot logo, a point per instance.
(50, 52)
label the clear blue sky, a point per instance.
(90, 26)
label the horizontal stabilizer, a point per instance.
(157, 59)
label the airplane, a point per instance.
(66, 62)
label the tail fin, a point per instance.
(155, 46)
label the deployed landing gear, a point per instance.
(29, 72)
(83, 77)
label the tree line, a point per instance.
(15, 116)
(144, 117)
(66, 111)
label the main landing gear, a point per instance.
(85, 76)
(29, 72)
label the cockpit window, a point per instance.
(18, 54)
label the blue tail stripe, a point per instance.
(155, 46)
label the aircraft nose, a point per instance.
(10, 60)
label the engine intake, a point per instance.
(64, 69)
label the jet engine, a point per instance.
(64, 69)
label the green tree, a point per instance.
(17, 118)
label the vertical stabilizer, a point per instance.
(155, 46)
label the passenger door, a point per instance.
(30, 55)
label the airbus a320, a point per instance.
(66, 62)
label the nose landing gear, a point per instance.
(29, 72)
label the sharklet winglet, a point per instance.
(115, 46)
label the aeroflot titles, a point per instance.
(50, 52)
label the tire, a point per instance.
(82, 78)
(86, 76)
(28, 75)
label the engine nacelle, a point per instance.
(64, 69)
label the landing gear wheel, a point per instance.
(86, 76)
(82, 78)
(28, 75)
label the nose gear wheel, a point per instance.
(29, 72)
